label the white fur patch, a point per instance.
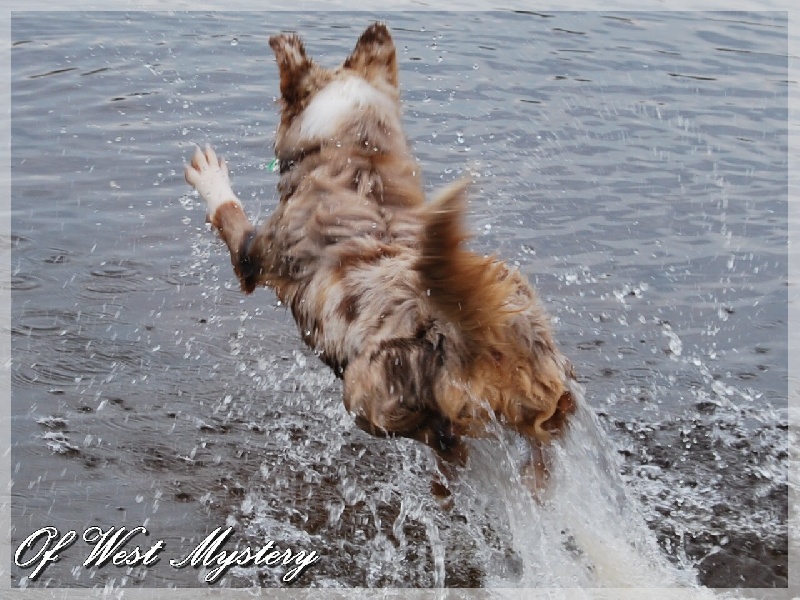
(215, 188)
(338, 100)
(209, 176)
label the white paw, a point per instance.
(209, 176)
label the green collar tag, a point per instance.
(274, 165)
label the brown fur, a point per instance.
(431, 340)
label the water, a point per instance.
(634, 166)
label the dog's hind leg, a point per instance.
(208, 174)
(449, 450)
(536, 471)
(390, 397)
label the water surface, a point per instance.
(634, 166)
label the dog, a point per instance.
(432, 341)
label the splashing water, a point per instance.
(587, 532)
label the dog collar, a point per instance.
(280, 165)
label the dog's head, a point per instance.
(321, 105)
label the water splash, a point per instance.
(587, 532)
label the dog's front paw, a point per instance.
(209, 176)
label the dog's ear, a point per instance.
(374, 55)
(293, 64)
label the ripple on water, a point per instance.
(21, 282)
(46, 255)
(42, 323)
(114, 277)
(75, 357)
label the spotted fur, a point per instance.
(432, 341)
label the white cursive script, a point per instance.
(209, 553)
(119, 547)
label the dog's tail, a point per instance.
(471, 291)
